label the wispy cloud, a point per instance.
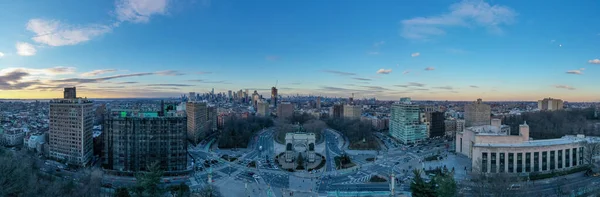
(97, 80)
(169, 73)
(378, 44)
(25, 49)
(55, 33)
(411, 84)
(59, 70)
(139, 11)
(415, 54)
(361, 79)
(170, 85)
(419, 89)
(406, 72)
(373, 52)
(564, 87)
(204, 73)
(97, 72)
(384, 71)
(444, 87)
(338, 72)
(128, 82)
(594, 61)
(575, 72)
(474, 86)
(205, 81)
(14, 81)
(468, 13)
(375, 88)
(1, 55)
(429, 68)
(456, 51)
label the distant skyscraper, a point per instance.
(70, 128)
(133, 141)
(318, 102)
(274, 96)
(550, 104)
(351, 99)
(285, 110)
(337, 110)
(477, 114)
(70, 93)
(262, 108)
(255, 98)
(352, 111)
(192, 96)
(405, 124)
(196, 120)
(229, 93)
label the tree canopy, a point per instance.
(237, 132)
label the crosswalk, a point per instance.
(362, 179)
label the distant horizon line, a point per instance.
(150, 98)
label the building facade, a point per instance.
(135, 140)
(274, 96)
(263, 109)
(285, 110)
(337, 110)
(437, 128)
(12, 137)
(197, 117)
(352, 111)
(405, 124)
(550, 104)
(70, 128)
(477, 113)
(492, 149)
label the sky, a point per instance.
(428, 50)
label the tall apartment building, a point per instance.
(405, 124)
(274, 96)
(211, 118)
(550, 104)
(133, 140)
(477, 114)
(70, 128)
(437, 127)
(262, 108)
(352, 111)
(337, 110)
(285, 110)
(197, 115)
(318, 102)
(255, 98)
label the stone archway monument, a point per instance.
(300, 143)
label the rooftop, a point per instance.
(568, 139)
(489, 130)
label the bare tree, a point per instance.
(495, 184)
(591, 150)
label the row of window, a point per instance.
(550, 160)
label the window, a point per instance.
(574, 157)
(580, 155)
(519, 162)
(461, 144)
(502, 165)
(484, 160)
(567, 158)
(527, 162)
(552, 160)
(560, 159)
(494, 165)
(511, 162)
(536, 161)
(544, 160)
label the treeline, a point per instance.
(237, 132)
(555, 124)
(21, 176)
(441, 185)
(308, 122)
(358, 132)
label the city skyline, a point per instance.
(460, 50)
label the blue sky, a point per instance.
(440, 50)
